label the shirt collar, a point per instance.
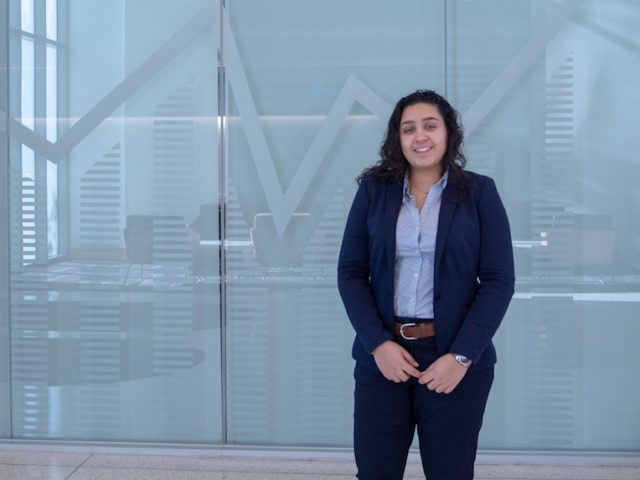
(440, 184)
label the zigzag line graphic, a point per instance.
(114, 99)
(281, 203)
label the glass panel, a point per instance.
(310, 90)
(120, 339)
(26, 15)
(28, 164)
(24, 207)
(27, 75)
(5, 385)
(539, 83)
(52, 93)
(52, 209)
(52, 19)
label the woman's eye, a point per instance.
(408, 131)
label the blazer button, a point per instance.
(437, 296)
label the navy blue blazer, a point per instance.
(473, 273)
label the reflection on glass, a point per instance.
(28, 164)
(26, 211)
(52, 19)
(52, 93)
(52, 209)
(575, 243)
(118, 338)
(26, 15)
(321, 82)
(27, 86)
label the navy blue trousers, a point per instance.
(387, 414)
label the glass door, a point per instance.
(310, 89)
(113, 192)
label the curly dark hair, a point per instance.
(392, 165)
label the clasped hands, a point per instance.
(398, 365)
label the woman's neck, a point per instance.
(422, 181)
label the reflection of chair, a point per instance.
(592, 240)
(205, 253)
(206, 258)
(138, 240)
(206, 223)
(273, 250)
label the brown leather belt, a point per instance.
(414, 331)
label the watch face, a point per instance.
(462, 360)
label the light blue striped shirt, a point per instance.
(415, 252)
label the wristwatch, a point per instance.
(462, 360)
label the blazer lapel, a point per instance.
(447, 210)
(394, 201)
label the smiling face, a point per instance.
(423, 138)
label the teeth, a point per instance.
(423, 149)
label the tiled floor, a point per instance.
(32, 463)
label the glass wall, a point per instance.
(5, 383)
(178, 181)
(541, 85)
(114, 292)
(309, 97)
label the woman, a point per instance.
(426, 275)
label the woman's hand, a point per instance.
(443, 375)
(395, 363)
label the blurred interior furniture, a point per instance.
(593, 239)
(156, 239)
(138, 240)
(205, 224)
(205, 255)
(274, 250)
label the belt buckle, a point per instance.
(402, 331)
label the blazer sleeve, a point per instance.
(495, 274)
(354, 275)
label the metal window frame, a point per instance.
(5, 324)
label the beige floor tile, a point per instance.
(39, 464)
(288, 476)
(550, 472)
(232, 468)
(24, 457)
(86, 473)
(95, 473)
(224, 464)
(31, 472)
